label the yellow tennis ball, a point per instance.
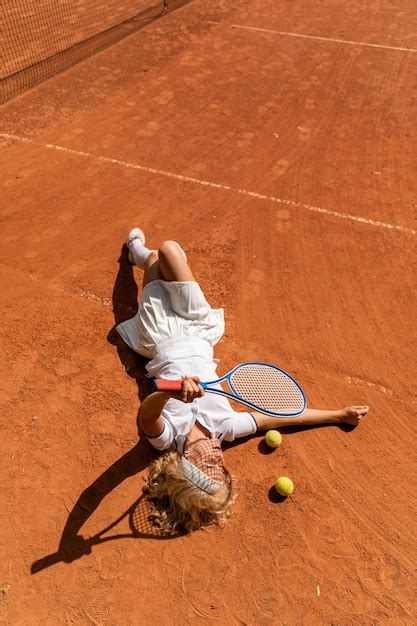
(284, 486)
(273, 438)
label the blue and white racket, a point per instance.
(262, 387)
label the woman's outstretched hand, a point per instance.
(191, 389)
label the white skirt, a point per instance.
(171, 310)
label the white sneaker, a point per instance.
(135, 233)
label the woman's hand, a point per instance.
(191, 389)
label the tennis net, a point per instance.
(43, 37)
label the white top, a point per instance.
(193, 356)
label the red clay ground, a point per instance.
(305, 236)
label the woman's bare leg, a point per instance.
(167, 263)
(152, 271)
(173, 263)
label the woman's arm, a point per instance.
(151, 408)
(150, 413)
(313, 417)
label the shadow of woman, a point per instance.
(72, 544)
(125, 305)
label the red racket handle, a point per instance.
(166, 385)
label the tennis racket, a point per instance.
(262, 387)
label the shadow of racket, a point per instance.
(140, 523)
(141, 526)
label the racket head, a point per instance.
(267, 388)
(142, 524)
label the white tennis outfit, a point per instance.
(176, 327)
(171, 309)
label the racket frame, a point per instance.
(235, 396)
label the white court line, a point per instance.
(207, 183)
(346, 41)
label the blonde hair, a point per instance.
(179, 504)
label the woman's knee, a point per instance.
(169, 248)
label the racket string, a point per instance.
(268, 388)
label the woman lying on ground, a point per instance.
(176, 328)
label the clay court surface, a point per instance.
(286, 167)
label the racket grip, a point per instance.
(159, 384)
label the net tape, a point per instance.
(268, 388)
